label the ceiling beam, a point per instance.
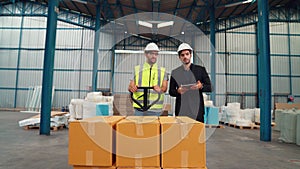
(177, 7)
(189, 14)
(155, 5)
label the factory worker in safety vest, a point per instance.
(149, 74)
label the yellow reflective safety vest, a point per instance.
(147, 76)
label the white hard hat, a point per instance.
(184, 46)
(151, 47)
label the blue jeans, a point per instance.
(146, 113)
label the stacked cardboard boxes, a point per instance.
(146, 142)
(93, 167)
(138, 142)
(92, 141)
(182, 143)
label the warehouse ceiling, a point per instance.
(196, 12)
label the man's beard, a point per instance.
(186, 61)
(150, 61)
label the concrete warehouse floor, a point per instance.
(228, 148)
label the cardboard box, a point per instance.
(91, 141)
(182, 143)
(188, 168)
(138, 168)
(287, 105)
(122, 105)
(138, 142)
(93, 167)
(166, 109)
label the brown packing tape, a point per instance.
(184, 158)
(89, 157)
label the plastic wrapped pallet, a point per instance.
(220, 115)
(298, 129)
(205, 97)
(104, 109)
(94, 97)
(224, 114)
(249, 114)
(233, 112)
(235, 105)
(278, 119)
(288, 127)
(76, 109)
(208, 103)
(90, 109)
(243, 122)
(257, 115)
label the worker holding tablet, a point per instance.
(187, 83)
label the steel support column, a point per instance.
(18, 61)
(96, 47)
(264, 74)
(213, 52)
(48, 67)
(290, 58)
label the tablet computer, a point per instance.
(188, 86)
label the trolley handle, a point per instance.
(145, 107)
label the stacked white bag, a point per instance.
(246, 117)
(223, 115)
(233, 112)
(92, 100)
(278, 119)
(289, 125)
(76, 109)
(298, 129)
(249, 114)
(84, 108)
(207, 103)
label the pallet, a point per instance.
(252, 126)
(214, 126)
(222, 122)
(12, 109)
(272, 123)
(54, 128)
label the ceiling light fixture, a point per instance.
(80, 1)
(146, 24)
(239, 3)
(164, 24)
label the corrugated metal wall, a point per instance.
(22, 43)
(285, 54)
(22, 52)
(237, 51)
(203, 58)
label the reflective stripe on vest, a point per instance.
(144, 79)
